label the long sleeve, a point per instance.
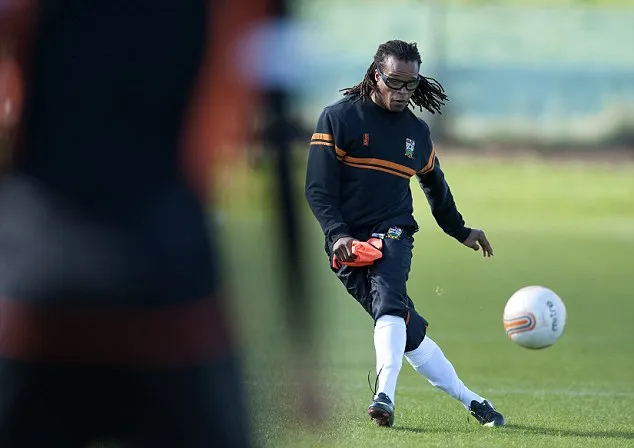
(443, 208)
(323, 180)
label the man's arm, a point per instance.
(432, 181)
(323, 180)
(443, 208)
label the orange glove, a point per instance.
(367, 253)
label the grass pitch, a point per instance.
(567, 226)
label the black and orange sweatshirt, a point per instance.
(360, 163)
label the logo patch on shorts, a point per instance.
(394, 233)
(409, 147)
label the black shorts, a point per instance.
(381, 288)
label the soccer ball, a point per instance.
(534, 317)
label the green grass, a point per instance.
(563, 225)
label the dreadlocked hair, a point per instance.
(429, 94)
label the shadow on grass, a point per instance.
(468, 427)
(514, 428)
(417, 430)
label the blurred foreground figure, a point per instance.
(112, 322)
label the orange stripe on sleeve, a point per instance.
(320, 136)
(430, 163)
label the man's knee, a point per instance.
(415, 325)
(416, 330)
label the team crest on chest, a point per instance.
(409, 147)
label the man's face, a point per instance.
(396, 82)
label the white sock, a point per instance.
(390, 336)
(429, 360)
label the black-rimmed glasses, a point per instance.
(397, 84)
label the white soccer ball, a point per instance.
(534, 317)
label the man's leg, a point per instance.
(392, 314)
(430, 361)
(387, 332)
(381, 291)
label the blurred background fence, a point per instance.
(516, 74)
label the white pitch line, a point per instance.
(536, 392)
(563, 392)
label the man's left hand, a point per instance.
(476, 239)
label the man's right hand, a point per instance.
(342, 249)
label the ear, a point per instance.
(376, 76)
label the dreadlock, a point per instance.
(429, 94)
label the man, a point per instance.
(364, 151)
(112, 320)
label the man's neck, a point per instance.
(378, 100)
